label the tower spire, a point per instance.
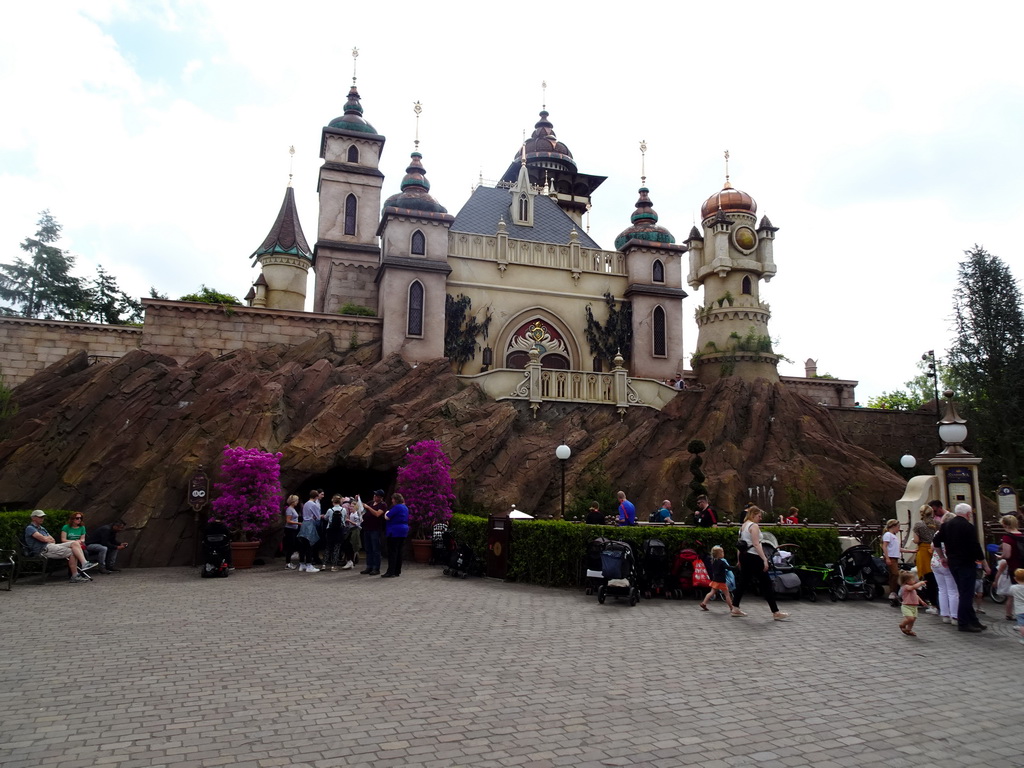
(355, 56)
(543, 94)
(291, 163)
(418, 109)
(727, 184)
(643, 172)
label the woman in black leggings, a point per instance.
(754, 566)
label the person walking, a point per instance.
(290, 545)
(397, 528)
(309, 532)
(945, 585)
(627, 512)
(909, 601)
(962, 552)
(1011, 544)
(753, 564)
(705, 516)
(922, 533)
(891, 555)
(719, 579)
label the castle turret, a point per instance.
(347, 255)
(284, 258)
(729, 262)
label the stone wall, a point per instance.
(890, 434)
(27, 346)
(183, 329)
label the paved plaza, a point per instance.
(157, 667)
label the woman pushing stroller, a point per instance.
(754, 565)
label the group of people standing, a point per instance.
(330, 539)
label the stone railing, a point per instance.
(505, 251)
(538, 385)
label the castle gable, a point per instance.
(489, 205)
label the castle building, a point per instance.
(517, 257)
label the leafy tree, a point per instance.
(615, 335)
(462, 330)
(155, 294)
(107, 303)
(249, 493)
(43, 286)
(986, 360)
(210, 296)
(919, 390)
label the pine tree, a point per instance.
(107, 303)
(986, 361)
(43, 286)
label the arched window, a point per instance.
(415, 326)
(350, 215)
(658, 323)
(746, 285)
(658, 271)
(419, 243)
(353, 154)
(524, 208)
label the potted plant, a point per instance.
(426, 483)
(249, 498)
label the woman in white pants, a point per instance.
(949, 598)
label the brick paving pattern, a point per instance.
(157, 667)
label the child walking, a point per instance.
(909, 600)
(1017, 593)
(719, 568)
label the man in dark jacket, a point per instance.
(103, 546)
(960, 551)
(705, 516)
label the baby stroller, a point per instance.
(619, 570)
(216, 547)
(785, 579)
(655, 569)
(813, 580)
(689, 574)
(595, 572)
(440, 553)
(462, 560)
(858, 572)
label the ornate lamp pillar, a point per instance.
(956, 468)
(562, 453)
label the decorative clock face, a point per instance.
(744, 239)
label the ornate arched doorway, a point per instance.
(547, 340)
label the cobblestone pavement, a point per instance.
(269, 667)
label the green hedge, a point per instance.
(12, 524)
(552, 552)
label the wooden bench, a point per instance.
(8, 566)
(26, 562)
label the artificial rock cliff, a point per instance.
(122, 438)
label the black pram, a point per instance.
(216, 556)
(619, 568)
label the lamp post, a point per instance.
(562, 453)
(932, 372)
(907, 461)
(952, 428)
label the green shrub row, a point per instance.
(12, 525)
(553, 552)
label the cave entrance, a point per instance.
(348, 482)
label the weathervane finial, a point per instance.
(727, 184)
(643, 153)
(417, 108)
(543, 94)
(291, 163)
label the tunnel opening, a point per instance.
(347, 481)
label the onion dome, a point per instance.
(353, 119)
(415, 194)
(286, 235)
(728, 200)
(543, 145)
(645, 224)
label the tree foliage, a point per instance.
(211, 296)
(697, 488)
(986, 360)
(615, 335)
(249, 494)
(461, 330)
(43, 286)
(918, 392)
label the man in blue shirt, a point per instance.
(664, 515)
(627, 512)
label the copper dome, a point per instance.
(728, 200)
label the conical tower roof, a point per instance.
(286, 235)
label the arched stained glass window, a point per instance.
(658, 323)
(415, 326)
(350, 215)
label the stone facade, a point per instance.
(28, 346)
(890, 434)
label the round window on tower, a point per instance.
(744, 239)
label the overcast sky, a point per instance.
(883, 139)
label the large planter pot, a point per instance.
(421, 550)
(243, 553)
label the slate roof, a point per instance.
(286, 235)
(488, 205)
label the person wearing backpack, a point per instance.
(754, 565)
(1012, 553)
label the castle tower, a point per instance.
(284, 258)
(654, 266)
(729, 261)
(347, 255)
(549, 162)
(414, 267)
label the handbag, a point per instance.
(1003, 584)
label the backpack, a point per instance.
(700, 574)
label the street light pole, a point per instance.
(562, 453)
(933, 373)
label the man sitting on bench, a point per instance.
(40, 542)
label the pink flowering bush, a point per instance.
(249, 494)
(426, 483)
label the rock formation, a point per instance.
(122, 438)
